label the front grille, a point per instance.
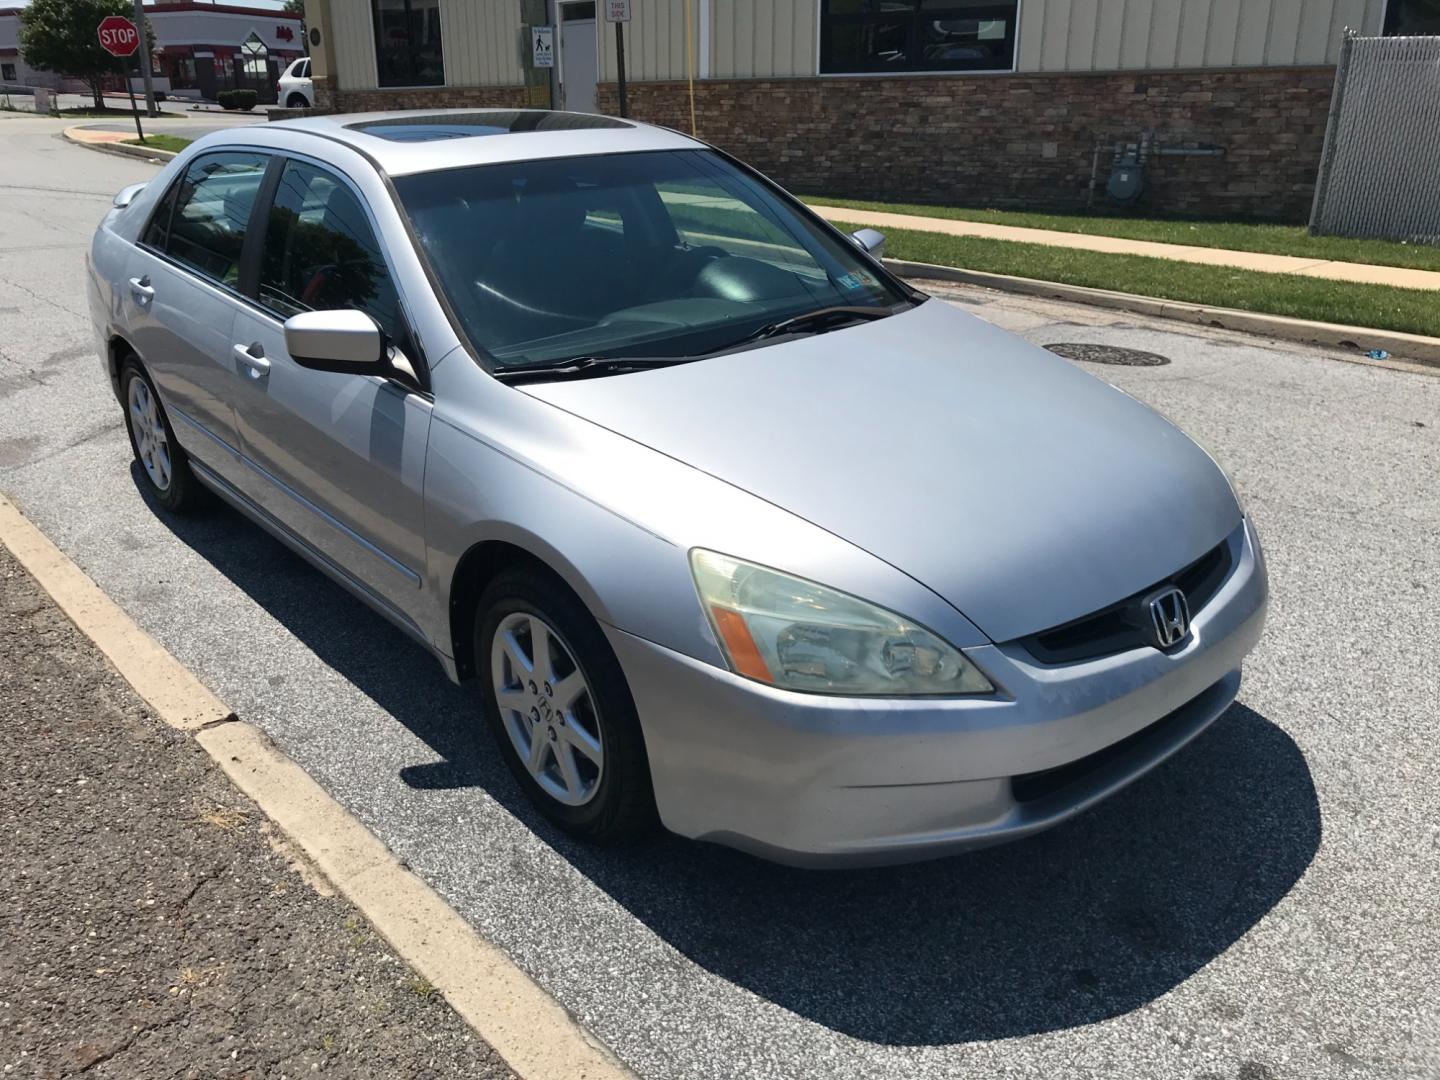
(1120, 626)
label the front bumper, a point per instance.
(813, 780)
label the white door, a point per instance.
(577, 56)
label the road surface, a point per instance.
(1265, 905)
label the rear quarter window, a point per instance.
(212, 203)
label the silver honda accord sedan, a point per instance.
(734, 530)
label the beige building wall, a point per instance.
(481, 41)
(779, 38)
(760, 38)
(654, 39)
(1090, 35)
(352, 40)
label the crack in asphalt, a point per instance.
(43, 299)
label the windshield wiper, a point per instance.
(820, 319)
(582, 367)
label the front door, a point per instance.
(577, 55)
(182, 298)
(338, 459)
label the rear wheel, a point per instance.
(297, 101)
(164, 465)
(557, 703)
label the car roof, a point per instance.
(402, 143)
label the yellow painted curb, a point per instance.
(178, 696)
(528, 1028)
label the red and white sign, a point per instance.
(118, 35)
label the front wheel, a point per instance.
(166, 467)
(558, 704)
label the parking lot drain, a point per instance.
(1108, 354)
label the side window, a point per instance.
(321, 254)
(157, 233)
(212, 210)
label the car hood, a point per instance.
(1022, 490)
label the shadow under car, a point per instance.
(1086, 922)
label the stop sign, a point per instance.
(118, 35)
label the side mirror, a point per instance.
(344, 340)
(870, 240)
(126, 195)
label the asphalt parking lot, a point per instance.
(1265, 905)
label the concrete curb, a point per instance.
(111, 147)
(1412, 347)
(534, 1034)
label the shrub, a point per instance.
(243, 100)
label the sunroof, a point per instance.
(429, 127)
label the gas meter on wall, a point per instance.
(1127, 177)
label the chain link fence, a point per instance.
(1380, 170)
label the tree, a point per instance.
(60, 36)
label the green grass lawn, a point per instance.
(1233, 235)
(162, 142)
(1379, 307)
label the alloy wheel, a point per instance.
(151, 442)
(547, 708)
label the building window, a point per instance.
(407, 43)
(7, 73)
(181, 72)
(1412, 17)
(916, 35)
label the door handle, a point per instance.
(257, 367)
(141, 290)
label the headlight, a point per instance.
(798, 635)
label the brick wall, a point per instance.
(1018, 140)
(428, 97)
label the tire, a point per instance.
(611, 799)
(164, 466)
(297, 101)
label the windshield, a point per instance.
(670, 253)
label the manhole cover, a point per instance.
(1107, 354)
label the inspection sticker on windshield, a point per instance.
(858, 279)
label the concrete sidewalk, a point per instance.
(1360, 273)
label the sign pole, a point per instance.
(143, 52)
(620, 65)
(618, 12)
(134, 108)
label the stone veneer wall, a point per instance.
(1018, 140)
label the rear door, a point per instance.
(338, 459)
(182, 295)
